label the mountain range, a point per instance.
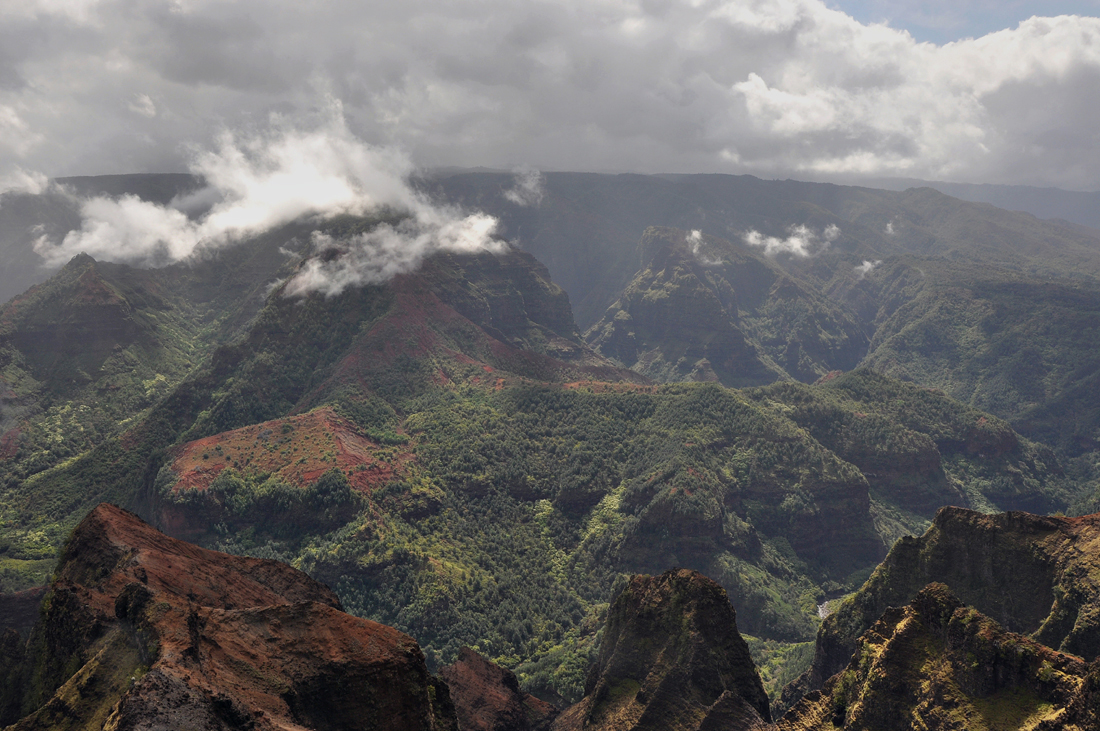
(774, 383)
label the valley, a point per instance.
(779, 385)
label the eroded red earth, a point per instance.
(297, 449)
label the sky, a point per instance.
(944, 21)
(967, 90)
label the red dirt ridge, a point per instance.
(298, 449)
(218, 642)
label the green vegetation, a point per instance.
(521, 501)
(779, 663)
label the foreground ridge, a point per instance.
(938, 664)
(671, 657)
(142, 631)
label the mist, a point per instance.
(258, 181)
(801, 241)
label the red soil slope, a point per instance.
(169, 635)
(298, 449)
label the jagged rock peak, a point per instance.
(142, 631)
(1033, 574)
(671, 657)
(938, 664)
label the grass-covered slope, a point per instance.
(996, 308)
(501, 514)
(1022, 348)
(85, 355)
(95, 347)
(448, 454)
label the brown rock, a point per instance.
(671, 658)
(1033, 574)
(487, 697)
(938, 664)
(142, 631)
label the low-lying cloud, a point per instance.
(801, 241)
(528, 189)
(259, 181)
(389, 250)
(866, 268)
(695, 238)
(18, 180)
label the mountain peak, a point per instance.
(671, 657)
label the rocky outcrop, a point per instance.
(142, 631)
(487, 697)
(1035, 575)
(938, 664)
(671, 657)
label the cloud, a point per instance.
(801, 241)
(695, 238)
(17, 137)
(258, 181)
(528, 189)
(143, 105)
(771, 87)
(890, 230)
(389, 250)
(18, 180)
(866, 268)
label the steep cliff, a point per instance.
(1036, 575)
(487, 697)
(702, 308)
(938, 664)
(671, 658)
(142, 631)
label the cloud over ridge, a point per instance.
(261, 180)
(801, 241)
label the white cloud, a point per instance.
(773, 87)
(18, 180)
(389, 250)
(866, 268)
(266, 179)
(528, 189)
(801, 241)
(695, 238)
(17, 137)
(143, 105)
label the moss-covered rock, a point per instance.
(939, 664)
(1035, 575)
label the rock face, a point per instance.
(671, 658)
(938, 664)
(487, 697)
(1035, 575)
(142, 631)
